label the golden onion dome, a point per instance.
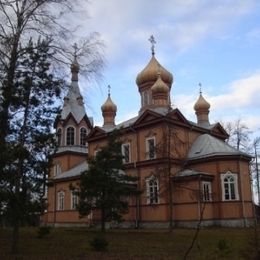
(201, 103)
(159, 86)
(109, 106)
(149, 73)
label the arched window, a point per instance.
(59, 136)
(229, 186)
(152, 187)
(74, 200)
(61, 200)
(70, 136)
(83, 135)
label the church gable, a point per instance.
(177, 116)
(147, 117)
(219, 131)
(96, 132)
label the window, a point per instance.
(83, 136)
(152, 187)
(150, 148)
(74, 200)
(61, 198)
(126, 152)
(59, 136)
(57, 169)
(70, 136)
(146, 98)
(229, 186)
(206, 191)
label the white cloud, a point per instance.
(241, 100)
(242, 93)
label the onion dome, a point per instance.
(109, 106)
(109, 111)
(201, 108)
(201, 104)
(159, 86)
(149, 73)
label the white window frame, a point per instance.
(57, 169)
(229, 181)
(152, 190)
(148, 148)
(74, 141)
(74, 200)
(206, 191)
(80, 136)
(123, 152)
(61, 200)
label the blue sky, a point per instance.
(213, 42)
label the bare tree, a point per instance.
(239, 134)
(21, 20)
(25, 66)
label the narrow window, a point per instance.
(150, 148)
(126, 153)
(83, 136)
(61, 198)
(152, 185)
(70, 136)
(59, 137)
(57, 169)
(145, 98)
(206, 191)
(74, 200)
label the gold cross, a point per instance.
(200, 88)
(152, 41)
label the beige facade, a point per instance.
(186, 171)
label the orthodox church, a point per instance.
(186, 170)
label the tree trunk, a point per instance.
(15, 238)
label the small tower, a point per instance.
(201, 108)
(147, 78)
(160, 93)
(73, 124)
(109, 111)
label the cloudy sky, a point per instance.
(215, 42)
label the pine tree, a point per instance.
(105, 186)
(29, 140)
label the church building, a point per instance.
(186, 171)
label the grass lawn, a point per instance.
(73, 243)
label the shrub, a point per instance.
(99, 244)
(223, 247)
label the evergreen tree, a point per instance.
(105, 186)
(29, 141)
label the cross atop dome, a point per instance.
(76, 49)
(153, 42)
(200, 88)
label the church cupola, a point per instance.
(148, 76)
(73, 124)
(160, 92)
(109, 111)
(201, 108)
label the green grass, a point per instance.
(73, 243)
